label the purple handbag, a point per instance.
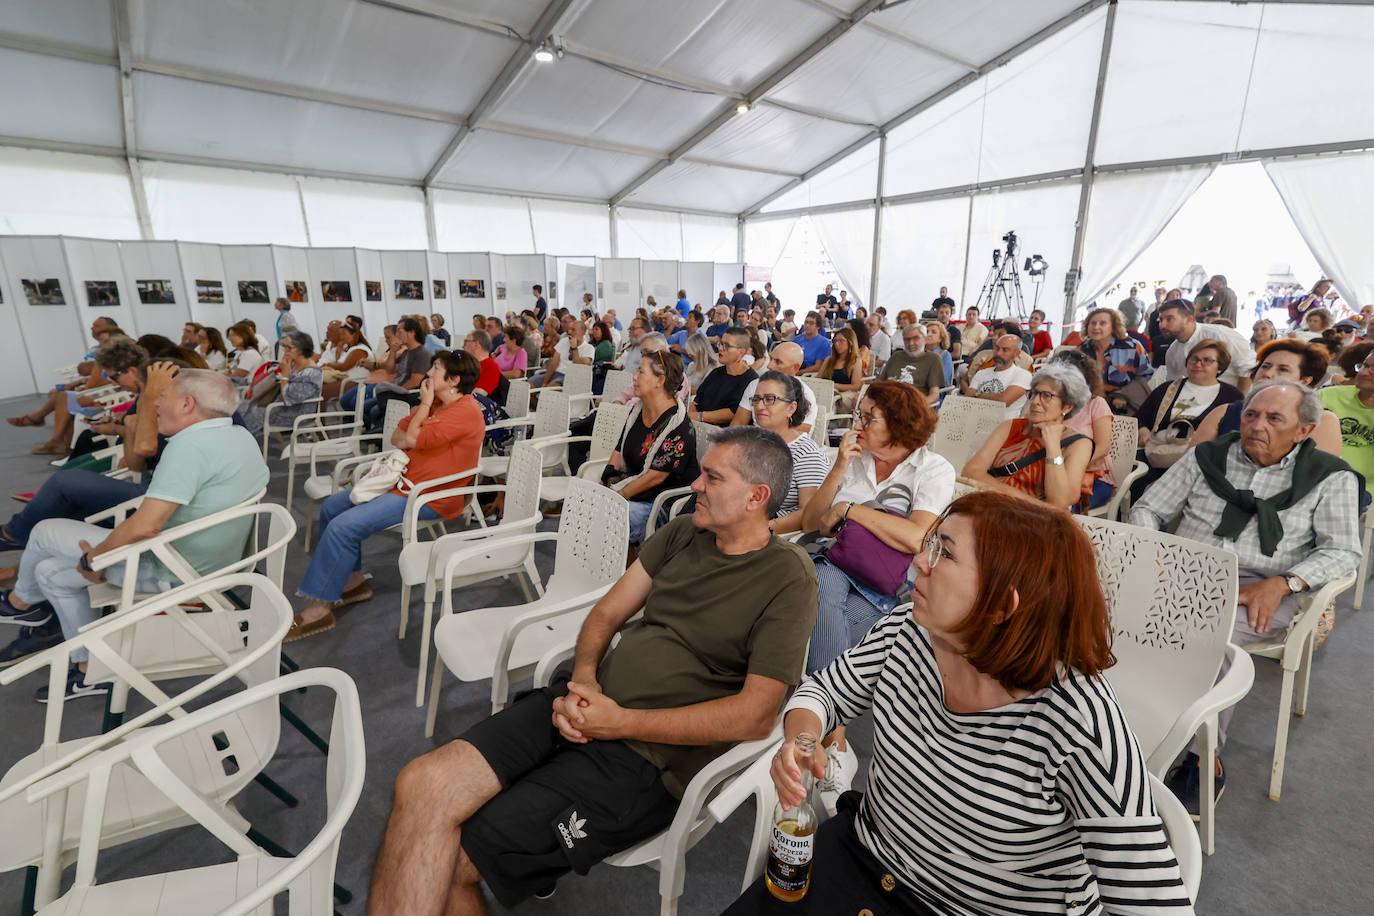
(864, 556)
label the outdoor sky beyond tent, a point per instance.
(1083, 126)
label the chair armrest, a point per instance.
(497, 535)
(1305, 623)
(512, 423)
(1226, 692)
(117, 513)
(344, 464)
(732, 796)
(660, 502)
(486, 544)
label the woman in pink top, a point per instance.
(1095, 421)
(511, 357)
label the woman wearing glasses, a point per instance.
(658, 446)
(888, 483)
(779, 405)
(1037, 456)
(1005, 778)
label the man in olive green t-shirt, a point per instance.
(913, 365)
(587, 767)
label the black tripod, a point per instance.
(1003, 285)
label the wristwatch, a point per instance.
(1057, 460)
(1295, 584)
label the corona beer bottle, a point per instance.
(788, 873)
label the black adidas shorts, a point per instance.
(563, 806)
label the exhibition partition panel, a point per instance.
(554, 288)
(250, 287)
(202, 272)
(298, 285)
(697, 278)
(156, 289)
(619, 280)
(16, 373)
(334, 279)
(523, 271)
(405, 282)
(373, 298)
(724, 277)
(471, 287)
(98, 284)
(40, 286)
(441, 291)
(576, 277)
(661, 280)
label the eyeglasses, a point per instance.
(863, 420)
(934, 549)
(768, 400)
(1202, 361)
(1043, 394)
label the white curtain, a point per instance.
(568, 228)
(1127, 213)
(655, 235)
(356, 214)
(923, 250)
(766, 239)
(1323, 196)
(709, 238)
(464, 221)
(848, 239)
(193, 203)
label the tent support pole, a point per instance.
(877, 224)
(615, 236)
(1085, 192)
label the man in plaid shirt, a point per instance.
(1288, 511)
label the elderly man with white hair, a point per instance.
(1285, 508)
(209, 465)
(787, 359)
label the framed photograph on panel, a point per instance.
(440, 289)
(44, 292)
(553, 290)
(373, 289)
(472, 289)
(102, 293)
(500, 289)
(156, 292)
(336, 291)
(210, 292)
(296, 291)
(252, 291)
(410, 289)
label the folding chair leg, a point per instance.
(405, 610)
(299, 724)
(1281, 735)
(1207, 804)
(277, 789)
(435, 679)
(1304, 677)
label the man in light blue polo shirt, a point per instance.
(815, 346)
(209, 465)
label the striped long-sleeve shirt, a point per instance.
(1039, 806)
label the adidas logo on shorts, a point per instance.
(572, 830)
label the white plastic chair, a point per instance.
(605, 437)
(673, 500)
(172, 762)
(502, 642)
(551, 419)
(518, 398)
(1172, 603)
(319, 486)
(268, 429)
(964, 425)
(1363, 578)
(1293, 651)
(1183, 839)
(252, 655)
(421, 563)
(823, 389)
(1125, 469)
(577, 385)
(617, 380)
(322, 436)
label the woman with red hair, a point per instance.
(887, 483)
(1005, 778)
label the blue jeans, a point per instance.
(843, 616)
(343, 528)
(71, 494)
(639, 518)
(47, 572)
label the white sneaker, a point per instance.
(842, 767)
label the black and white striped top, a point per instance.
(1039, 806)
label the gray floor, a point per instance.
(1297, 856)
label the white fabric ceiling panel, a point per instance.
(247, 207)
(868, 76)
(482, 222)
(1039, 106)
(580, 97)
(939, 147)
(354, 213)
(520, 15)
(62, 194)
(1151, 110)
(506, 162)
(735, 43)
(1043, 218)
(1329, 46)
(775, 138)
(706, 187)
(855, 177)
(922, 250)
(195, 119)
(349, 47)
(71, 22)
(974, 31)
(709, 238)
(67, 100)
(571, 228)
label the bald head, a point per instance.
(1005, 349)
(786, 358)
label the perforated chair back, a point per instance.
(522, 482)
(964, 425)
(705, 434)
(1125, 441)
(617, 380)
(822, 388)
(593, 534)
(610, 423)
(518, 398)
(396, 411)
(577, 378)
(552, 416)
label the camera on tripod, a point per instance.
(1010, 239)
(1002, 288)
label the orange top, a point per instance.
(450, 441)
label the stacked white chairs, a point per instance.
(964, 425)
(1172, 603)
(1293, 651)
(181, 764)
(502, 642)
(46, 835)
(422, 563)
(1125, 468)
(550, 420)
